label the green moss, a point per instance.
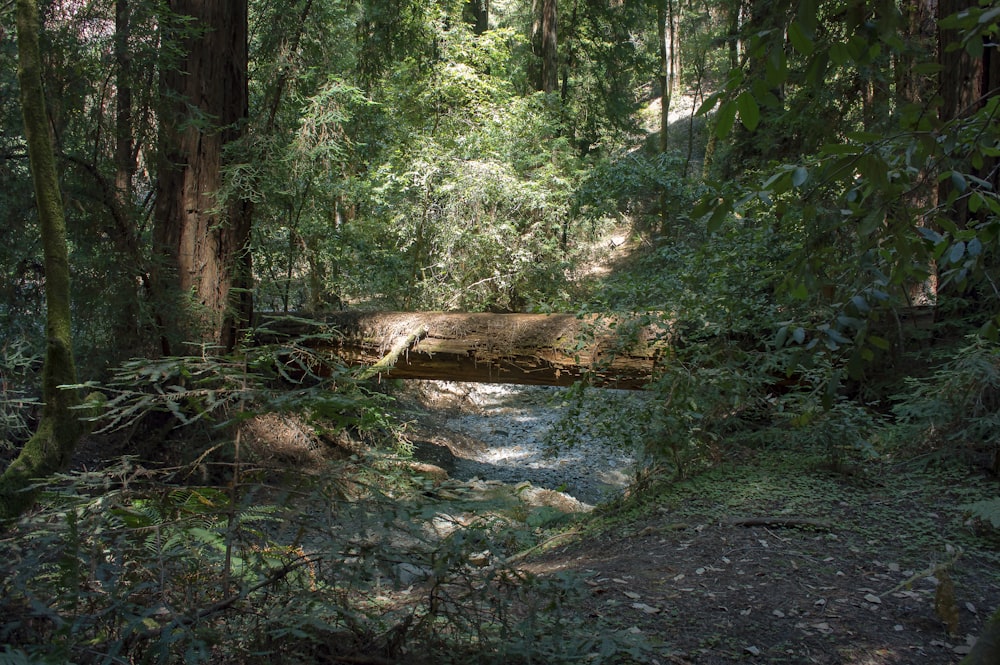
(51, 447)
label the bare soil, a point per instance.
(868, 568)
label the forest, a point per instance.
(258, 261)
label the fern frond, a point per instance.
(988, 511)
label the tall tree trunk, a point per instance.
(664, 30)
(734, 8)
(202, 242)
(550, 47)
(919, 28)
(914, 94)
(665, 23)
(961, 87)
(478, 12)
(50, 448)
(124, 145)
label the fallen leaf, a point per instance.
(823, 627)
(779, 614)
(633, 595)
(872, 598)
(753, 651)
(648, 609)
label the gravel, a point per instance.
(542, 435)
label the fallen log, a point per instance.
(535, 349)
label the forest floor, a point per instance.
(873, 573)
(769, 557)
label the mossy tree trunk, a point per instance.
(50, 448)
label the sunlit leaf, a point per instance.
(709, 103)
(839, 53)
(878, 342)
(718, 217)
(781, 336)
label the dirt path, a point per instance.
(768, 558)
(859, 588)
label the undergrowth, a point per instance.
(124, 566)
(224, 554)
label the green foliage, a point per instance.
(621, 184)
(862, 197)
(290, 375)
(988, 511)
(473, 233)
(123, 565)
(18, 388)
(844, 433)
(958, 404)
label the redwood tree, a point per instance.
(544, 43)
(202, 239)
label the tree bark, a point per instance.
(49, 449)
(201, 240)
(534, 349)
(479, 13)
(125, 163)
(665, 32)
(550, 47)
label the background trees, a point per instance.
(413, 155)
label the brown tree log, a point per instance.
(535, 349)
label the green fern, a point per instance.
(988, 511)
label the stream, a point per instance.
(552, 437)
